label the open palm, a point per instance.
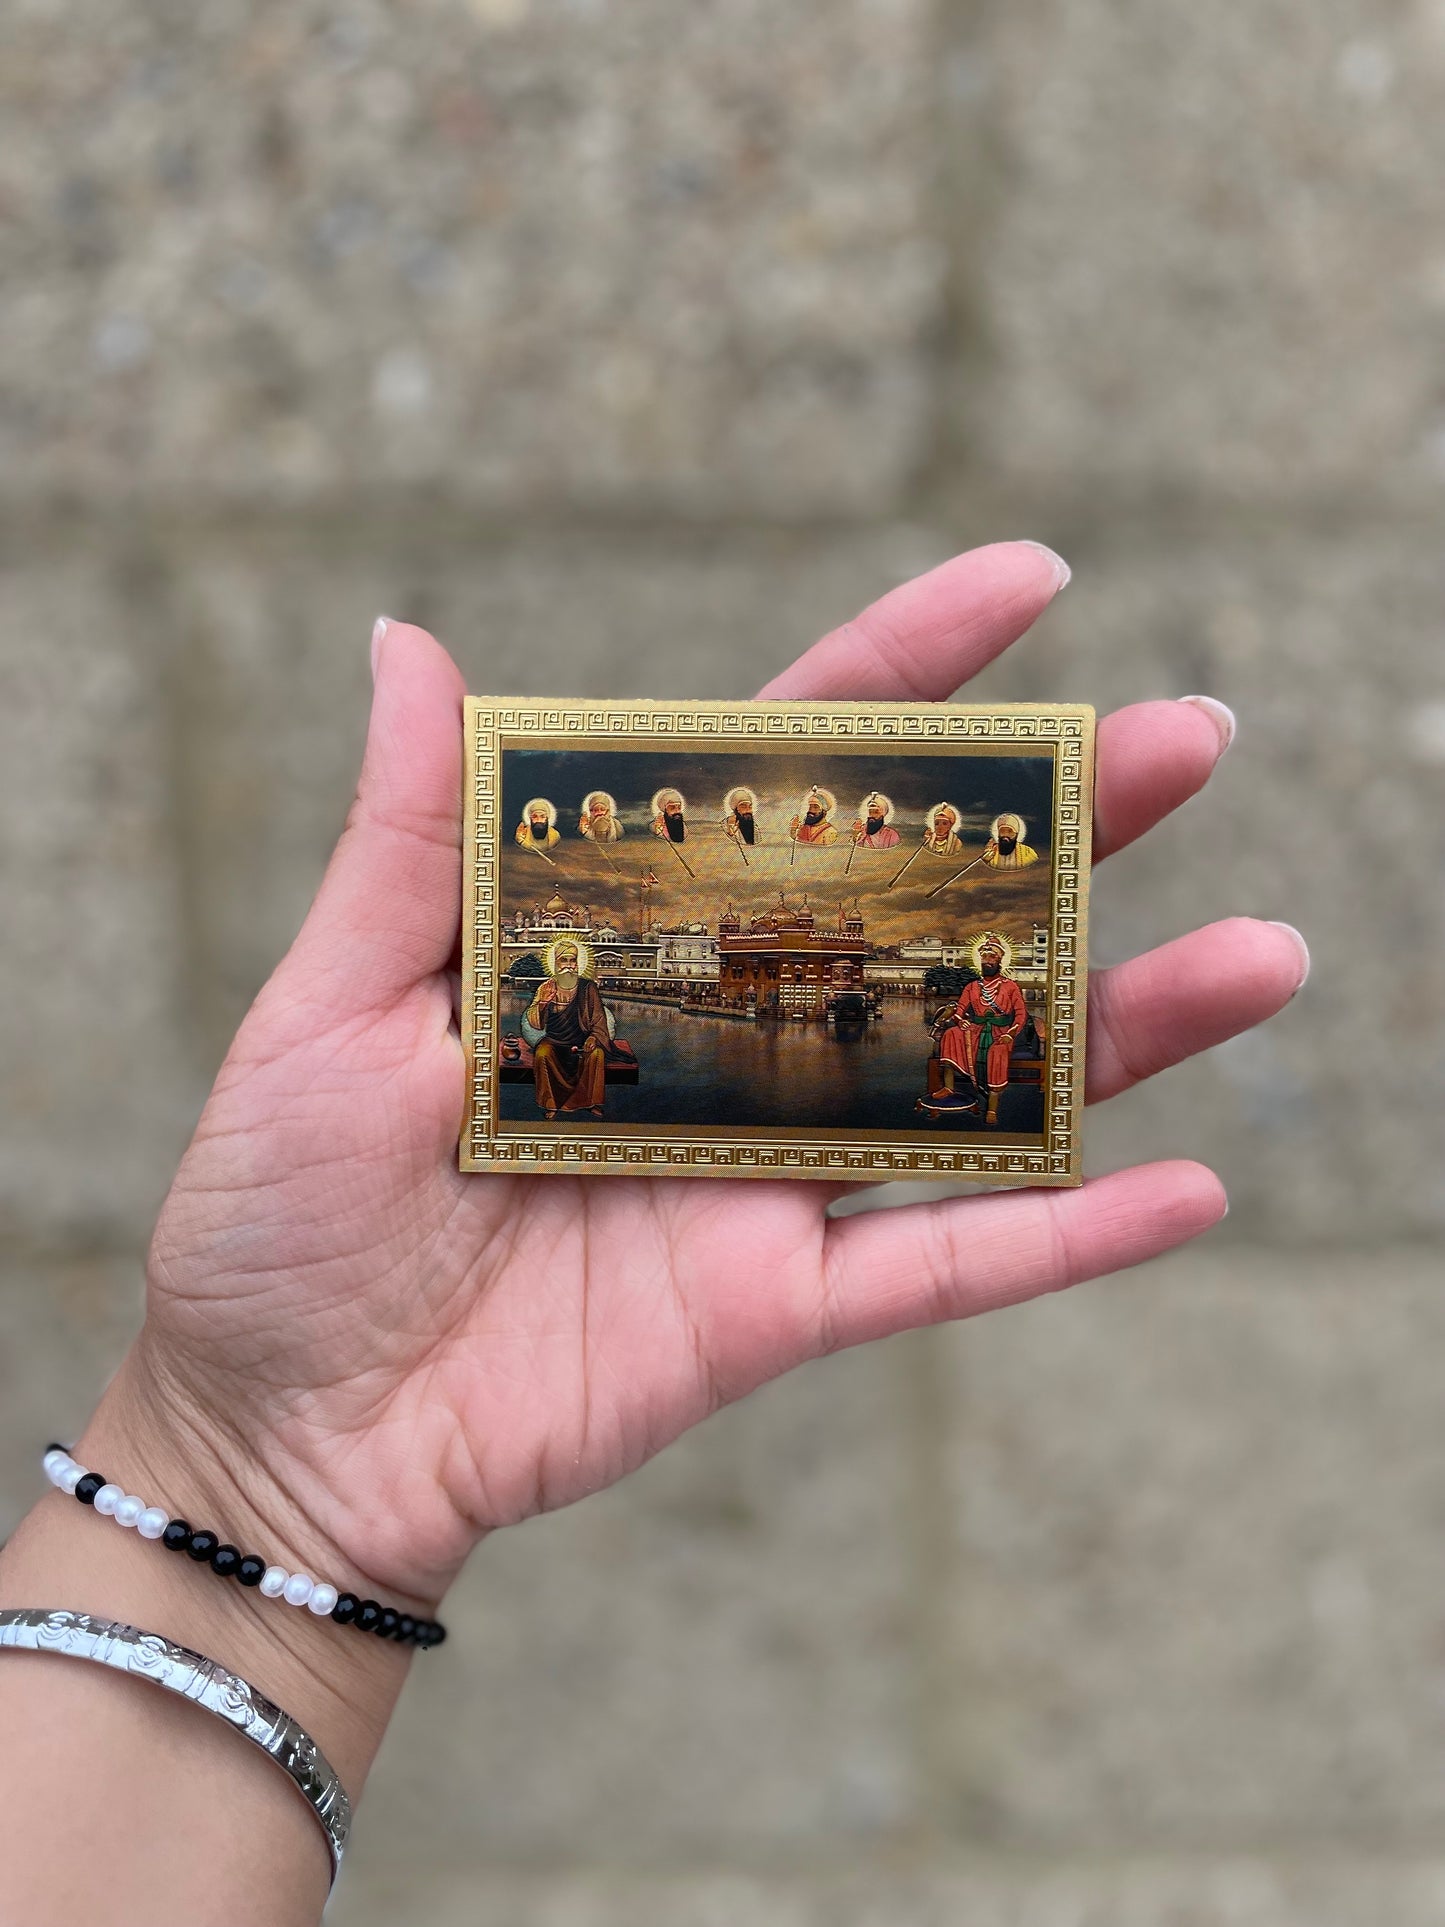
(416, 1355)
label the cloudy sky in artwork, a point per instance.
(607, 880)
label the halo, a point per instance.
(990, 936)
(584, 956)
(957, 816)
(598, 796)
(541, 803)
(1008, 816)
(826, 797)
(662, 796)
(886, 801)
(730, 801)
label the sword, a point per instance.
(681, 858)
(898, 873)
(602, 848)
(954, 878)
(541, 853)
(851, 848)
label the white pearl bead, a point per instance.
(55, 1463)
(297, 1590)
(71, 1477)
(128, 1509)
(151, 1523)
(323, 1598)
(273, 1581)
(108, 1498)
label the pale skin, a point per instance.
(360, 1362)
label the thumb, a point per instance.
(388, 910)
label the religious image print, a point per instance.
(874, 981)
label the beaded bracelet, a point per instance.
(296, 1588)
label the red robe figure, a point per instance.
(988, 1020)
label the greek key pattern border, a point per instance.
(1066, 729)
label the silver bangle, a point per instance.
(202, 1681)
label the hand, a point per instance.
(406, 1357)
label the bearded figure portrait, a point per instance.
(598, 820)
(1006, 849)
(872, 828)
(740, 816)
(538, 827)
(566, 1025)
(669, 816)
(814, 822)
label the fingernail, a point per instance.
(1303, 949)
(1220, 714)
(1062, 572)
(377, 632)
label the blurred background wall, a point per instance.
(629, 346)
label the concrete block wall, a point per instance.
(629, 348)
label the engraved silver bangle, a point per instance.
(242, 1706)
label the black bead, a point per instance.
(177, 1535)
(438, 1633)
(346, 1608)
(225, 1560)
(368, 1616)
(53, 1447)
(250, 1570)
(88, 1487)
(390, 1619)
(202, 1544)
(406, 1628)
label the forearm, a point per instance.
(123, 1803)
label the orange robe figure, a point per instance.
(991, 1014)
(570, 1062)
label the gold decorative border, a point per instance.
(1066, 728)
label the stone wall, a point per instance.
(630, 347)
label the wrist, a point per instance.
(151, 1439)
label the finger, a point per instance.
(889, 1271)
(1186, 997)
(387, 913)
(1151, 758)
(925, 638)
